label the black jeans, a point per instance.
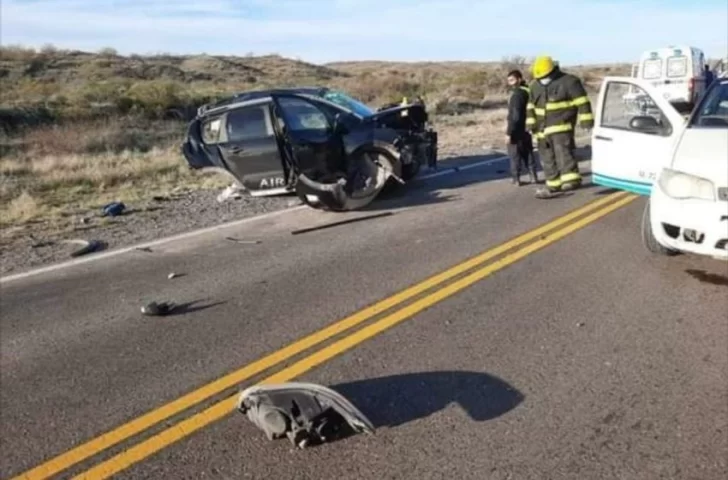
(520, 151)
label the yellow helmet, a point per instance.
(542, 66)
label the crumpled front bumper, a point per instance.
(694, 226)
(337, 197)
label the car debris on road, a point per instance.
(306, 413)
(113, 209)
(243, 241)
(155, 309)
(234, 192)
(87, 246)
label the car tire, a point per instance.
(390, 162)
(648, 237)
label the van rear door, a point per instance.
(679, 81)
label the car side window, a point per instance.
(623, 102)
(211, 130)
(713, 111)
(247, 123)
(300, 115)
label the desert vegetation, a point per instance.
(79, 129)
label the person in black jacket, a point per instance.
(518, 138)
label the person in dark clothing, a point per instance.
(709, 77)
(518, 140)
(558, 102)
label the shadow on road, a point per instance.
(706, 277)
(427, 191)
(399, 399)
(191, 307)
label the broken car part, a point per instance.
(233, 191)
(306, 413)
(87, 246)
(113, 209)
(154, 309)
(240, 240)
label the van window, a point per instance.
(652, 69)
(677, 66)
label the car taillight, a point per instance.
(691, 84)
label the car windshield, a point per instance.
(713, 110)
(348, 102)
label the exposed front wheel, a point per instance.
(648, 237)
(410, 170)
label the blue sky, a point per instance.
(574, 31)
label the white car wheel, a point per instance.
(648, 237)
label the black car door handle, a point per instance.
(606, 139)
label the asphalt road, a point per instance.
(588, 358)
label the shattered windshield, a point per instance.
(713, 110)
(348, 102)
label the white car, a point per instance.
(680, 164)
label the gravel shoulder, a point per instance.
(33, 245)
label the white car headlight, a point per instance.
(683, 185)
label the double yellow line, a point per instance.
(518, 247)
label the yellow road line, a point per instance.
(219, 410)
(151, 418)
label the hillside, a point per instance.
(78, 129)
(52, 84)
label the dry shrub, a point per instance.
(92, 137)
(20, 209)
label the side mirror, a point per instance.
(645, 124)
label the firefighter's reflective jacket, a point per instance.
(558, 106)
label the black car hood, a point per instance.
(401, 117)
(412, 108)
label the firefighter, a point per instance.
(558, 102)
(518, 140)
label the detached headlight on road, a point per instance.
(682, 185)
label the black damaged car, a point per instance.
(332, 150)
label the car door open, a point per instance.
(328, 174)
(633, 135)
(251, 151)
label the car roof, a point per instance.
(258, 94)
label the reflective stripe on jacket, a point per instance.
(558, 106)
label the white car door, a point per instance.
(633, 135)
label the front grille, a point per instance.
(723, 194)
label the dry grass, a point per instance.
(80, 129)
(52, 186)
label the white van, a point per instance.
(676, 72)
(721, 68)
(680, 164)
